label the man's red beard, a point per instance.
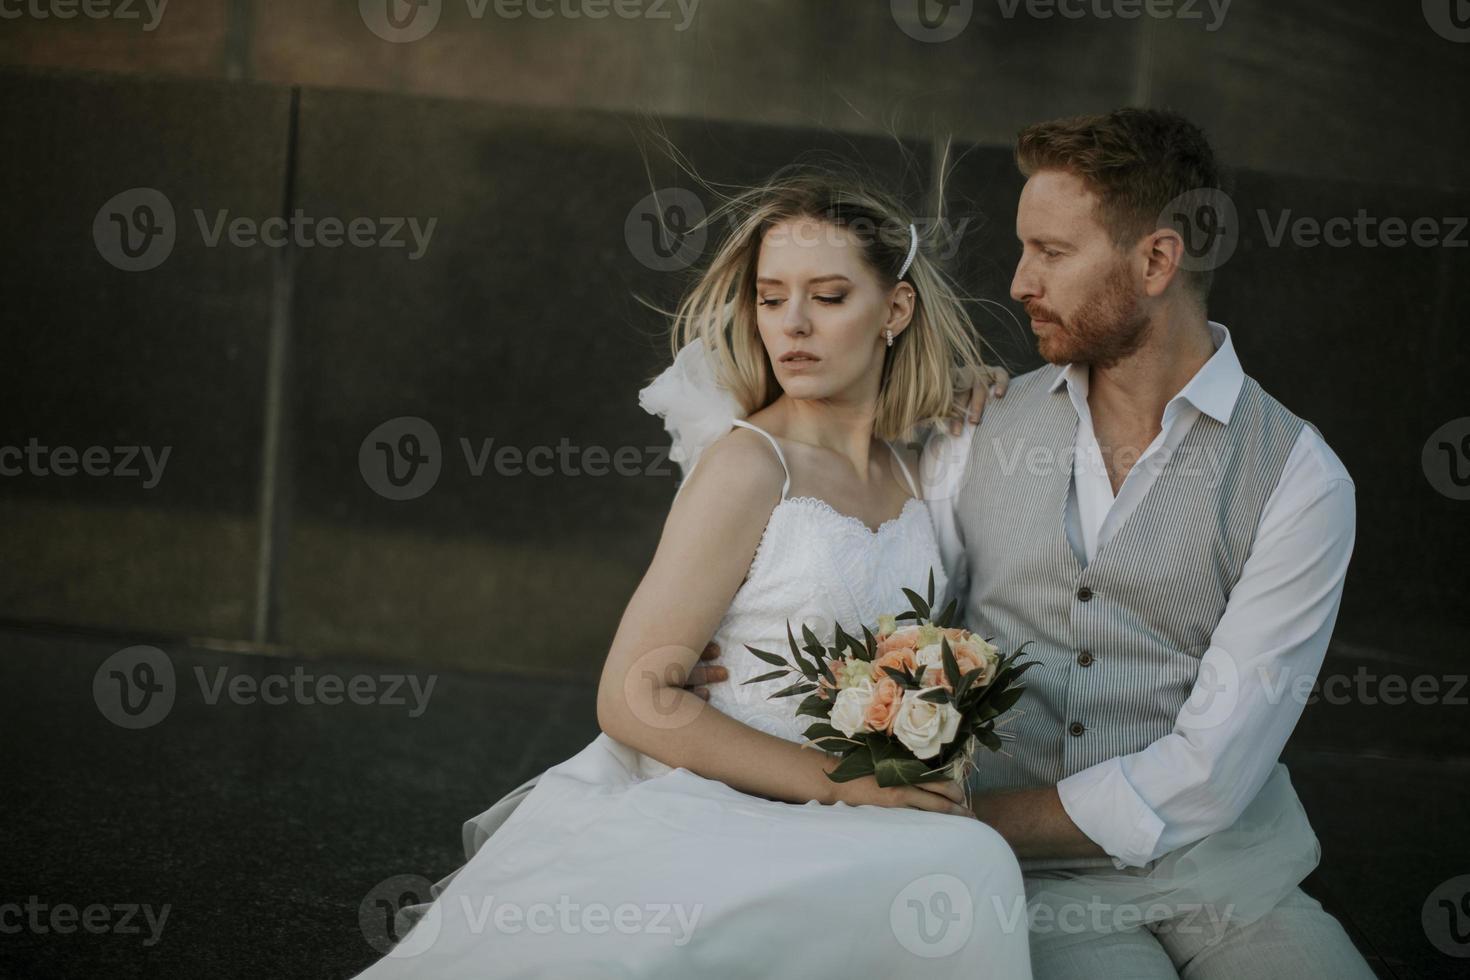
(1106, 328)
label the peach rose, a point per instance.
(899, 658)
(974, 653)
(968, 656)
(826, 688)
(905, 639)
(887, 696)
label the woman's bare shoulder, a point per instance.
(737, 471)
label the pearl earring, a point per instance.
(888, 334)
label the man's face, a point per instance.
(1079, 290)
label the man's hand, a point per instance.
(701, 674)
(971, 411)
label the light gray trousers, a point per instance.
(1294, 940)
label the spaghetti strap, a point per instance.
(904, 466)
(774, 445)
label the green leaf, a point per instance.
(809, 640)
(921, 608)
(951, 666)
(767, 677)
(936, 696)
(769, 658)
(871, 644)
(899, 772)
(800, 687)
(1005, 700)
(807, 668)
(967, 681)
(947, 617)
(814, 706)
(792, 640)
(855, 765)
(930, 601)
(843, 641)
(827, 672)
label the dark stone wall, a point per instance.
(520, 323)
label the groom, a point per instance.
(1172, 541)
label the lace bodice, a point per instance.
(816, 566)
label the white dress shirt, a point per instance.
(1198, 779)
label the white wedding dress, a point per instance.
(611, 864)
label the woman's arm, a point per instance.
(708, 543)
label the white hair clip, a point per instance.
(913, 250)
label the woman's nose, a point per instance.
(796, 321)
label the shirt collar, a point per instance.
(1213, 390)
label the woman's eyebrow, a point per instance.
(768, 281)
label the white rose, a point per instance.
(923, 726)
(851, 706)
(930, 656)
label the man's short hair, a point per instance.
(1135, 160)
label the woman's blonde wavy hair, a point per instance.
(930, 362)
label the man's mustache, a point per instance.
(1042, 313)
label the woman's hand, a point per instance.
(943, 796)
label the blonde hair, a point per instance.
(929, 362)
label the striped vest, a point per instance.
(1119, 639)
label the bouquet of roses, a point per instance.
(905, 704)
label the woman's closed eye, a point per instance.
(829, 300)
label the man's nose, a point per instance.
(1023, 283)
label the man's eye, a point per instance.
(1050, 253)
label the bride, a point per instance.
(698, 838)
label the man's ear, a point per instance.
(1162, 252)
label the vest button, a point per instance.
(1085, 658)
(1076, 728)
(1085, 594)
